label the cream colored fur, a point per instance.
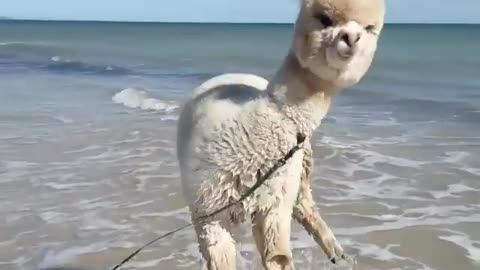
(236, 126)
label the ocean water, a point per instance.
(87, 132)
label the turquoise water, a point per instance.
(84, 179)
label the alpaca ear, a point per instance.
(300, 49)
(306, 3)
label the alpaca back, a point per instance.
(249, 80)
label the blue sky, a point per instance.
(463, 11)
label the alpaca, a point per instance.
(236, 126)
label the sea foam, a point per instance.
(135, 98)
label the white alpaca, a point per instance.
(237, 126)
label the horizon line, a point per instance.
(3, 19)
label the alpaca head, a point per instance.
(336, 39)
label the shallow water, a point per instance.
(88, 174)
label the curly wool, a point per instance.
(229, 150)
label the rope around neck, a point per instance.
(261, 179)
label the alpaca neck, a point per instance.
(301, 95)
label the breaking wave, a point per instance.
(135, 98)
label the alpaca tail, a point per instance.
(250, 80)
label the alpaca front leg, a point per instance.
(306, 214)
(217, 246)
(271, 231)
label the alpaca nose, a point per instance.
(347, 42)
(350, 38)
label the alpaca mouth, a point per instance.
(346, 55)
(337, 60)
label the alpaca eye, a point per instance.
(370, 27)
(325, 20)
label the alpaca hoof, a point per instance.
(332, 249)
(337, 259)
